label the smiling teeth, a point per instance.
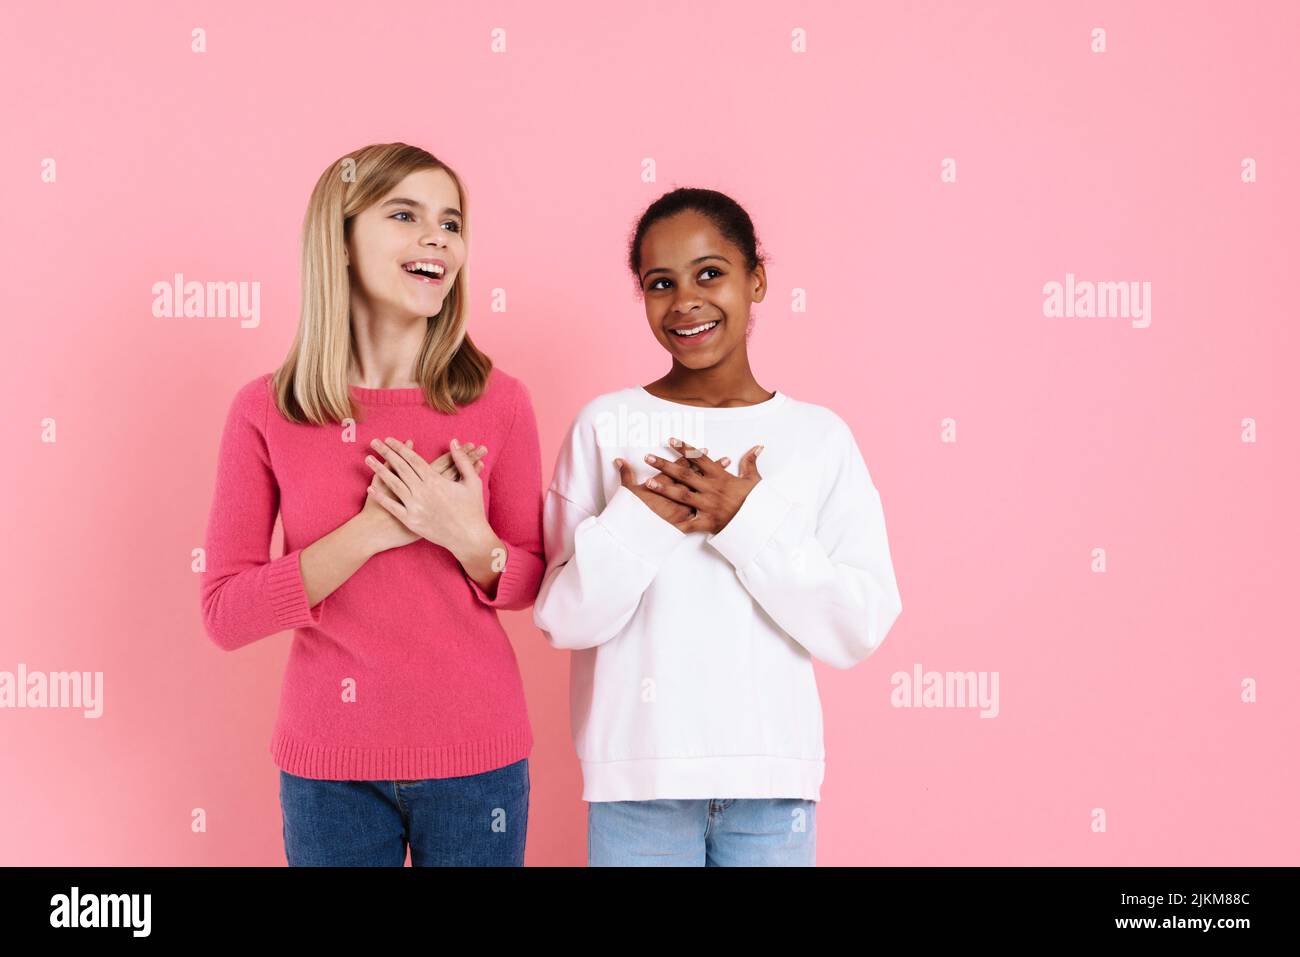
(431, 268)
(696, 331)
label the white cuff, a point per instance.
(638, 528)
(761, 514)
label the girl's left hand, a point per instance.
(442, 510)
(705, 485)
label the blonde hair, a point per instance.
(311, 386)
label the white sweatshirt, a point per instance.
(691, 674)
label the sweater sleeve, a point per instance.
(247, 595)
(515, 511)
(599, 561)
(827, 579)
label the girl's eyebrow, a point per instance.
(650, 272)
(402, 201)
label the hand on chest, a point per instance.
(720, 448)
(333, 489)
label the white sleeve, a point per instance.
(597, 565)
(827, 579)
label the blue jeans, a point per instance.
(733, 832)
(475, 820)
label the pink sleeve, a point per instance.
(246, 594)
(515, 511)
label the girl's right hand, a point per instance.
(384, 529)
(670, 511)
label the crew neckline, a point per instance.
(777, 400)
(413, 395)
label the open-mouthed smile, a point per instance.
(693, 335)
(426, 270)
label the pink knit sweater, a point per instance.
(404, 671)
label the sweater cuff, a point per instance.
(638, 528)
(760, 515)
(289, 593)
(507, 582)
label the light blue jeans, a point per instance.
(714, 832)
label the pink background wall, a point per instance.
(1119, 690)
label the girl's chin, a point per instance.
(703, 359)
(430, 301)
(706, 353)
(412, 309)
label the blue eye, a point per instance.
(403, 212)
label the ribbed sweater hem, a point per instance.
(714, 776)
(400, 763)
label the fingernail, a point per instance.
(674, 442)
(618, 462)
(651, 483)
(650, 459)
(455, 444)
(759, 452)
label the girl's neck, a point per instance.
(382, 364)
(379, 376)
(711, 388)
(384, 348)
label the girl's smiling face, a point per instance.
(693, 277)
(418, 221)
